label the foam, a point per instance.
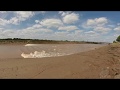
(42, 54)
(31, 45)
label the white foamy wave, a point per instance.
(31, 45)
(42, 54)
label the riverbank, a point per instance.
(103, 62)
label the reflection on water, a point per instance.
(43, 50)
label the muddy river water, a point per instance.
(44, 50)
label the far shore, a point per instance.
(18, 41)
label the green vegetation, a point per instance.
(118, 38)
(114, 41)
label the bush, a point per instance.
(118, 38)
(114, 41)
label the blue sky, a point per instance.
(103, 26)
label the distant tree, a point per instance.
(118, 38)
(8, 39)
(114, 41)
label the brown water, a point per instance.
(44, 50)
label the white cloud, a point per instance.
(97, 21)
(3, 22)
(49, 23)
(71, 18)
(68, 28)
(117, 28)
(90, 32)
(102, 29)
(61, 33)
(60, 12)
(4, 14)
(3, 11)
(91, 22)
(36, 26)
(14, 20)
(35, 31)
(102, 20)
(7, 33)
(78, 32)
(37, 21)
(64, 13)
(24, 14)
(42, 12)
(19, 16)
(98, 25)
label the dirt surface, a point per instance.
(103, 62)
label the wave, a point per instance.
(42, 54)
(31, 44)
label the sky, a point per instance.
(97, 26)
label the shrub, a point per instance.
(118, 38)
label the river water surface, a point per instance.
(44, 50)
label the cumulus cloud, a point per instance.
(78, 31)
(102, 29)
(37, 21)
(64, 13)
(36, 29)
(19, 16)
(7, 33)
(68, 28)
(98, 25)
(14, 20)
(24, 14)
(61, 33)
(49, 23)
(42, 12)
(97, 21)
(70, 18)
(3, 22)
(90, 32)
(55, 28)
(36, 26)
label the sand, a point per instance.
(103, 62)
